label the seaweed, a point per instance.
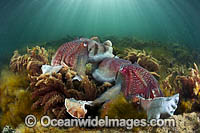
(185, 82)
(143, 59)
(39, 94)
(49, 91)
(30, 62)
(15, 101)
(120, 108)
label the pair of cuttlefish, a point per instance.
(135, 82)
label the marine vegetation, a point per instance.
(24, 89)
(15, 101)
(143, 59)
(31, 61)
(190, 83)
(48, 91)
(120, 108)
(186, 82)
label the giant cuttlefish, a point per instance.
(134, 82)
(77, 53)
(131, 79)
(137, 85)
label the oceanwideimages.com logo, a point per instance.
(46, 121)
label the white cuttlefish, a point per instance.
(76, 108)
(159, 106)
(50, 69)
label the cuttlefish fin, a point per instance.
(108, 95)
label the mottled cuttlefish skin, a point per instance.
(138, 81)
(77, 53)
(131, 79)
(73, 54)
(108, 68)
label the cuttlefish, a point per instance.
(137, 84)
(159, 106)
(132, 79)
(106, 71)
(76, 108)
(76, 54)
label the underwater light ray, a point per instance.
(182, 24)
(28, 21)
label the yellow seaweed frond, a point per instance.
(121, 108)
(15, 99)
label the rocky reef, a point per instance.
(24, 89)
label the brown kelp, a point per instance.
(50, 91)
(31, 61)
(143, 59)
(186, 82)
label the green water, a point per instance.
(28, 21)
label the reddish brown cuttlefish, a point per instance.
(137, 85)
(132, 79)
(77, 53)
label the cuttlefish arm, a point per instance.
(82, 60)
(98, 51)
(108, 95)
(156, 107)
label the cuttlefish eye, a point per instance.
(85, 44)
(122, 69)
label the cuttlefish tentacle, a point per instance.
(109, 94)
(100, 51)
